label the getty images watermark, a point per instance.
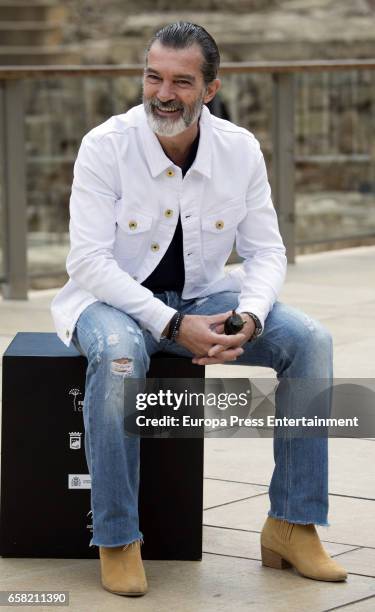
(242, 407)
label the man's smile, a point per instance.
(167, 111)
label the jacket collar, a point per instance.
(157, 160)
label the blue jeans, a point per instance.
(294, 345)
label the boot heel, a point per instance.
(272, 559)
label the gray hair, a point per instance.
(183, 34)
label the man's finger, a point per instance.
(227, 341)
(219, 318)
(236, 352)
(215, 327)
(206, 361)
(217, 348)
(213, 360)
(222, 357)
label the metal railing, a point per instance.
(12, 146)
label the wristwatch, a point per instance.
(258, 326)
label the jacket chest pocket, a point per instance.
(219, 231)
(134, 230)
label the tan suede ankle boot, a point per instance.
(284, 544)
(122, 570)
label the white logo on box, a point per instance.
(79, 481)
(90, 525)
(75, 440)
(77, 404)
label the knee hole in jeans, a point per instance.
(123, 366)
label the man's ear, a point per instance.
(211, 90)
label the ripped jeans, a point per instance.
(294, 345)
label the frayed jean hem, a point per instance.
(297, 521)
(122, 543)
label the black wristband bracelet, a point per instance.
(172, 323)
(258, 326)
(176, 327)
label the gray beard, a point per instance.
(172, 127)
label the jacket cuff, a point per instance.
(259, 310)
(160, 316)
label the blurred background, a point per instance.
(316, 126)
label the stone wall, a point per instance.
(116, 30)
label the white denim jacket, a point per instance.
(125, 202)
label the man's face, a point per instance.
(173, 88)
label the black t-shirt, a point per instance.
(170, 273)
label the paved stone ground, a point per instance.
(338, 288)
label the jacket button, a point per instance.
(133, 225)
(168, 213)
(219, 224)
(67, 333)
(155, 246)
(170, 172)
